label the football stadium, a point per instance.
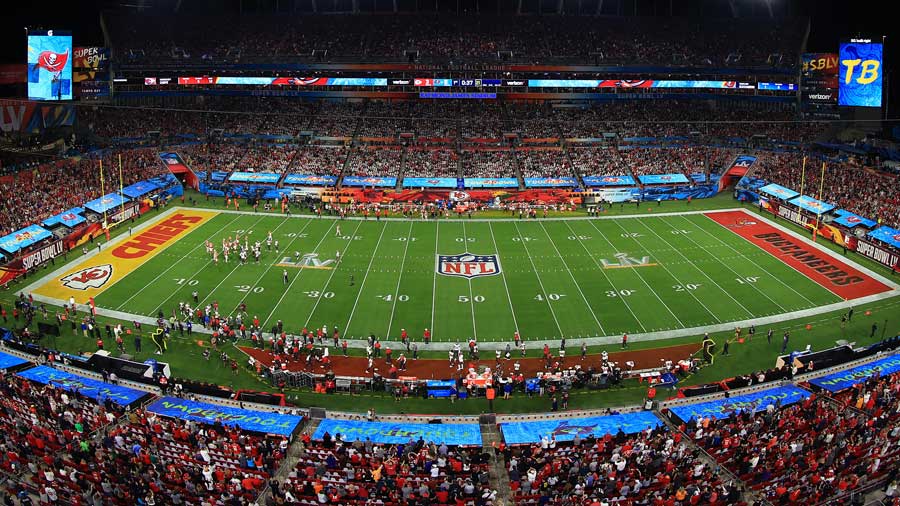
(463, 252)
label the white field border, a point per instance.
(494, 345)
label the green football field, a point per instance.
(567, 278)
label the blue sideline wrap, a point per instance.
(256, 421)
(845, 379)
(395, 433)
(566, 430)
(756, 401)
(94, 389)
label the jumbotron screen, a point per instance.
(860, 74)
(50, 65)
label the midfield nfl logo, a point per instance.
(624, 261)
(468, 265)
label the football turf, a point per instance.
(673, 272)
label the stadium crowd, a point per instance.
(848, 183)
(488, 163)
(809, 452)
(455, 38)
(419, 472)
(50, 188)
(319, 160)
(369, 161)
(653, 466)
(431, 163)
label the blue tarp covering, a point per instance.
(776, 190)
(256, 421)
(756, 401)
(384, 181)
(105, 203)
(7, 361)
(96, 390)
(394, 433)
(845, 379)
(430, 182)
(812, 205)
(486, 182)
(566, 430)
(254, 177)
(140, 189)
(664, 179)
(69, 218)
(550, 182)
(23, 238)
(850, 220)
(310, 180)
(608, 181)
(886, 235)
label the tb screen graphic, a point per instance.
(50, 65)
(860, 74)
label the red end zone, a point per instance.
(824, 269)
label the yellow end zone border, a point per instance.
(91, 275)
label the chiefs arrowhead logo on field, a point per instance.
(468, 265)
(459, 196)
(89, 277)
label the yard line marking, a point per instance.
(437, 229)
(399, 278)
(761, 292)
(541, 283)
(362, 285)
(791, 288)
(608, 279)
(663, 265)
(152, 281)
(638, 272)
(471, 297)
(237, 264)
(288, 289)
(287, 249)
(503, 275)
(328, 281)
(577, 286)
(701, 271)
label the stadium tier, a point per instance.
(471, 253)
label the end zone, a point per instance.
(92, 275)
(831, 273)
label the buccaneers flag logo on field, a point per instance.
(53, 62)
